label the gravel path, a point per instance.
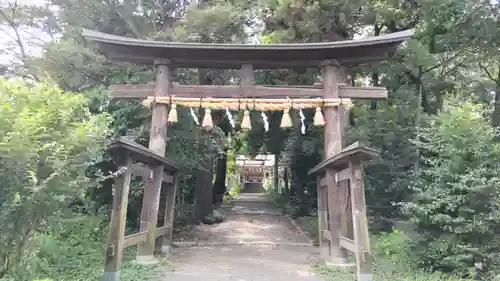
(255, 243)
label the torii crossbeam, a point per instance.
(343, 172)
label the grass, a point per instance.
(76, 253)
(393, 258)
(393, 262)
(335, 274)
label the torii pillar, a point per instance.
(158, 144)
(329, 209)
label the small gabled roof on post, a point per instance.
(263, 56)
(140, 153)
(355, 152)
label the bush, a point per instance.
(394, 261)
(457, 201)
(47, 140)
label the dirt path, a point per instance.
(255, 243)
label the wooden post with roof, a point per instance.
(332, 57)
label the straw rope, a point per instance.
(249, 104)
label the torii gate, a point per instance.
(341, 166)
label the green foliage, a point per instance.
(390, 129)
(394, 261)
(234, 187)
(219, 23)
(47, 140)
(73, 251)
(457, 195)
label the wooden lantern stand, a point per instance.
(341, 172)
(340, 182)
(155, 169)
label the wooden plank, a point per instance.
(116, 232)
(344, 175)
(149, 213)
(168, 220)
(322, 181)
(362, 92)
(246, 78)
(322, 220)
(346, 213)
(326, 234)
(147, 173)
(354, 152)
(135, 239)
(214, 55)
(218, 91)
(360, 222)
(347, 244)
(163, 230)
(140, 153)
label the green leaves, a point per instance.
(46, 139)
(457, 195)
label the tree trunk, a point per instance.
(419, 88)
(495, 118)
(203, 204)
(220, 179)
(276, 170)
(287, 185)
(375, 77)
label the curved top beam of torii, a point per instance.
(212, 55)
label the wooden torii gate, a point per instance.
(332, 57)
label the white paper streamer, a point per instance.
(266, 122)
(302, 118)
(230, 117)
(195, 118)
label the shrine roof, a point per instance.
(263, 56)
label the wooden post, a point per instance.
(360, 224)
(246, 76)
(333, 144)
(181, 193)
(322, 220)
(346, 213)
(169, 214)
(158, 134)
(285, 179)
(157, 143)
(116, 232)
(149, 217)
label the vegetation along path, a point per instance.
(254, 243)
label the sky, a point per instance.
(35, 37)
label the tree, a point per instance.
(457, 194)
(47, 141)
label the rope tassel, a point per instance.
(172, 115)
(245, 123)
(319, 120)
(207, 123)
(286, 121)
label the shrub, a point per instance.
(47, 140)
(394, 261)
(457, 192)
